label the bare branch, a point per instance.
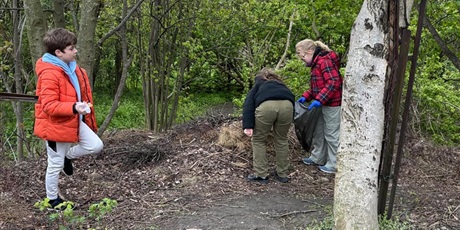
(288, 41)
(451, 55)
(122, 23)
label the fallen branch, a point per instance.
(289, 213)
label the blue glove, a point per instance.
(314, 104)
(301, 100)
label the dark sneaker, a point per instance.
(68, 168)
(55, 204)
(309, 161)
(262, 180)
(326, 169)
(281, 179)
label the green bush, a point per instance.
(130, 113)
(437, 101)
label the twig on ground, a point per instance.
(452, 213)
(230, 206)
(288, 213)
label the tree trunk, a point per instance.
(124, 74)
(58, 13)
(362, 125)
(36, 28)
(18, 106)
(86, 33)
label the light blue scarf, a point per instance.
(69, 69)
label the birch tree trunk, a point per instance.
(362, 125)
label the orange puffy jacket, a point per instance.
(55, 119)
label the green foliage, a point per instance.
(327, 223)
(130, 113)
(63, 213)
(437, 110)
(196, 105)
(99, 210)
(438, 107)
(296, 76)
(65, 216)
(393, 224)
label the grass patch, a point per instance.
(131, 112)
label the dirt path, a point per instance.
(257, 211)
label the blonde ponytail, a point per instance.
(308, 44)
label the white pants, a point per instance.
(89, 143)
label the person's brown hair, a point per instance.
(58, 39)
(269, 75)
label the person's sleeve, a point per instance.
(249, 108)
(49, 97)
(332, 81)
(308, 95)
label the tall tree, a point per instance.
(18, 106)
(36, 28)
(86, 35)
(362, 126)
(126, 62)
(59, 13)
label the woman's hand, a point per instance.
(248, 132)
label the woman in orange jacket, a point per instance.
(64, 116)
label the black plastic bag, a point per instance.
(305, 124)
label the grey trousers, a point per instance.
(326, 137)
(279, 115)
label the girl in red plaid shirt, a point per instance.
(325, 93)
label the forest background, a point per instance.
(154, 64)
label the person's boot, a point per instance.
(262, 180)
(281, 179)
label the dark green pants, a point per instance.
(279, 115)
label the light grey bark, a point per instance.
(288, 42)
(362, 125)
(36, 28)
(405, 7)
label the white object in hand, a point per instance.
(83, 106)
(87, 109)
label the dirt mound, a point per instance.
(194, 177)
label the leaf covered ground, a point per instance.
(193, 177)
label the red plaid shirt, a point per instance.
(325, 81)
